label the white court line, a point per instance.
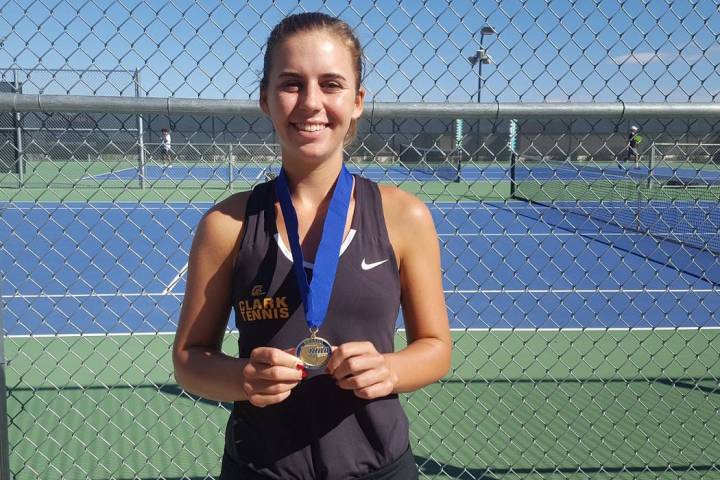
(173, 283)
(583, 204)
(586, 290)
(551, 234)
(578, 329)
(78, 335)
(486, 330)
(139, 206)
(475, 202)
(109, 173)
(90, 295)
(156, 205)
(469, 206)
(446, 292)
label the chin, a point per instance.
(314, 152)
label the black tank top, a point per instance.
(320, 431)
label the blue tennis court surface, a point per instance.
(69, 269)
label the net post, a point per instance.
(458, 167)
(4, 442)
(513, 162)
(17, 119)
(652, 157)
(651, 165)
(512, 147)
(459, 147)
(230, 166)
(141, 135)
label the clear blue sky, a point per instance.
(557, 51)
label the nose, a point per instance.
(311, 98)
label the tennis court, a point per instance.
(574, 351)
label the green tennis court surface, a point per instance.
(119, 181)
(539, 404)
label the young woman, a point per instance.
(315, 391)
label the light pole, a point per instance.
(481, 57)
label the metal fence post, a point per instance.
(17, 119)
(141, 143)
(4, 442)
(230, 166)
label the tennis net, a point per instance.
(431, 162)
(681, 205)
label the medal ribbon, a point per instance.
(316, 294)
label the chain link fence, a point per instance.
(581, 275)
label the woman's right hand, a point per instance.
(270, 375)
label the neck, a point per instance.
(310, 185)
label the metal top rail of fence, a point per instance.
(620, 111)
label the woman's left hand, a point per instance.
(359, 367)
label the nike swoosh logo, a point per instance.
(369, 266)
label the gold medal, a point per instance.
(314, 351)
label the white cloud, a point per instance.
(644, 58)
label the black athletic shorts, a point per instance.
(403, 468)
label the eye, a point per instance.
(333, 86)
(292, 86)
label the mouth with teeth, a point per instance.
(310, 127)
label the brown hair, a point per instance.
(314, 21)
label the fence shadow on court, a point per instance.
(687, 259)
(460, 473)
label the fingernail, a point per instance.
(300, 366)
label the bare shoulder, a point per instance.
(408, 220)
(220, 226)
(403, 209)
(231, 208)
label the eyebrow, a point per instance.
(325, 76)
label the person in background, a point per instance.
(166, 146)
(632, 146)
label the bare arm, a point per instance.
(200, 366)
(427, 356)
(357, 365)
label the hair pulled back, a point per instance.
(310, 22)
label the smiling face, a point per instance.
(311, 96)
